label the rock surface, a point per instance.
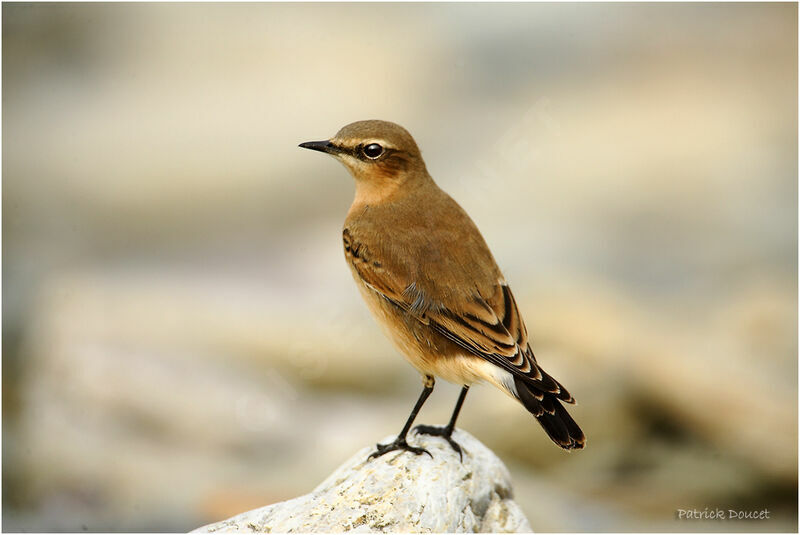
(399, 492)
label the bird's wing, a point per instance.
(490, 328)
(495, 331)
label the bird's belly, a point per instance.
(428, 351)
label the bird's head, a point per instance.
(379, 154)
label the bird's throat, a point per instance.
(376, 190)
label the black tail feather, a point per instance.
(552, 415)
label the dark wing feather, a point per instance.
(499, 336)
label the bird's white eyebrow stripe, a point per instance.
(355, 142)
(345, 148)
(381, 142)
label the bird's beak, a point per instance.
(322, 146)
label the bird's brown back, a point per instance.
(422, 237)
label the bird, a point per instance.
(429, 278)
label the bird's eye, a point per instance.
(373, 150)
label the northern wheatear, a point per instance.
(429, 278)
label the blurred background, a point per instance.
(182, 340)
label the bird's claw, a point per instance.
(398, 444)
(444, 432)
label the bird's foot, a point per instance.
(445, 432)
(398, 444)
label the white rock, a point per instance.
(399, 492)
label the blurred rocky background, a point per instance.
(182, 340)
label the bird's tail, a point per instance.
(553, 417)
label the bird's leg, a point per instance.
(447, 431)
(400, 442)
